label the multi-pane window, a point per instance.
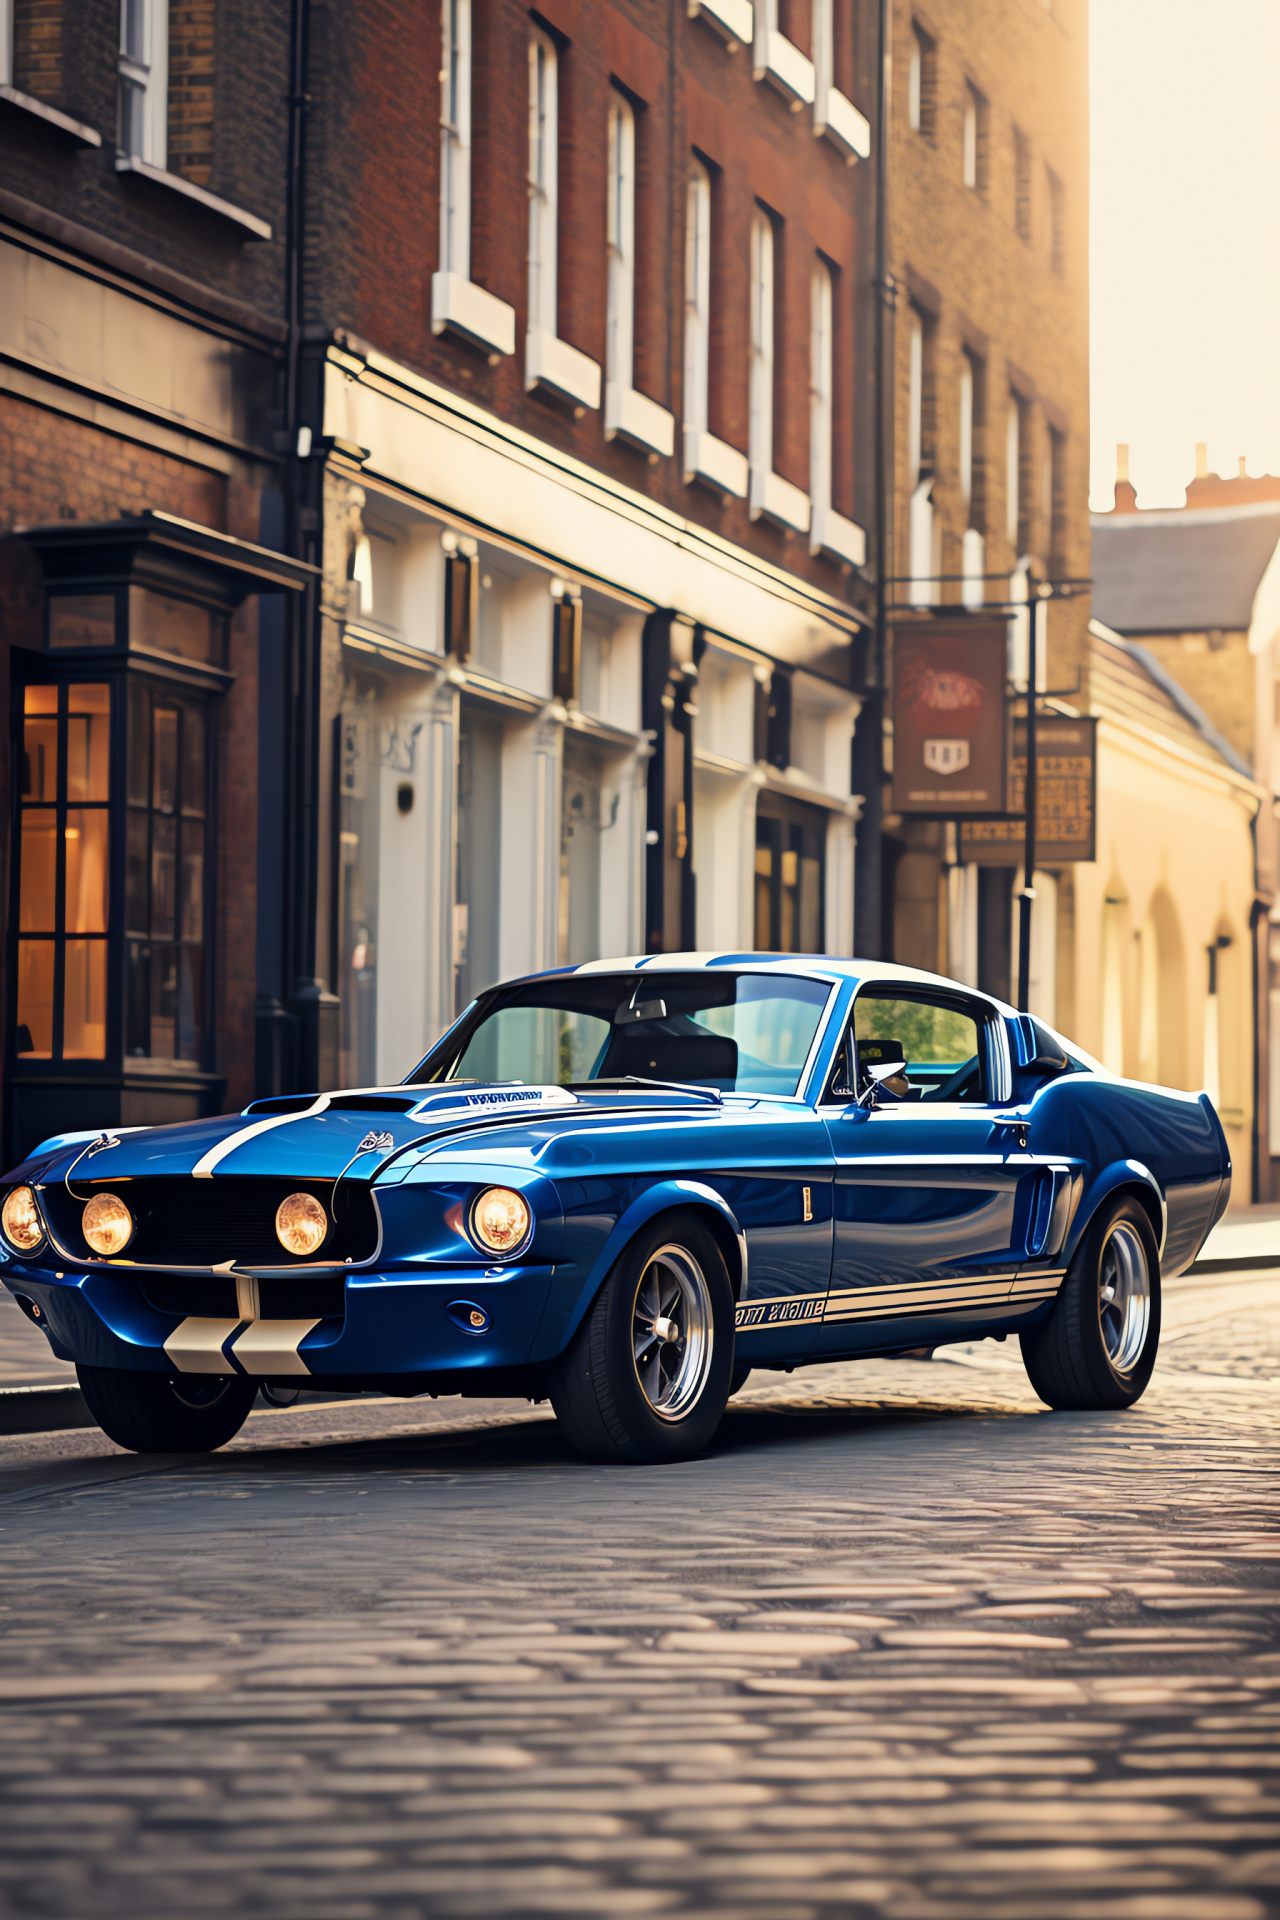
(973, 543)
(63, 869)
(821, 379)
(1013, 472)
(974, 142)
(1057, 222)
(789, 875)
(621, 235)
(921, 81)
(697, 299)
(760, 425)
(144, 80)
(921, 525)
(543, 184)
(1022, 185)
(165, 876)
(455, 141)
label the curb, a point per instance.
(42, 1409)
(1245, 1263)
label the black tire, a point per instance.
(606, 1411)
(1094, 1351)
(741, 1375)
(155, 1413)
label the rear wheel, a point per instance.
(155, 1413)
(647, 1375)
(1098, 1346)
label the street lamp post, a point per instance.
(1027, 898)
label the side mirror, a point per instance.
(877, 1072)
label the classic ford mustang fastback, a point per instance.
(621, 1187)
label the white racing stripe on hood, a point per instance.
(203, 1169)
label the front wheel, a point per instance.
(154, 1413)
(1098, 1346)
(647, 1375)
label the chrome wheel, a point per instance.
(1124, 1296)
(672, 1332)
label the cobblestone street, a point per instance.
(904, 1644)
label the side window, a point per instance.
(943, 1045)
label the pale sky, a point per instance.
(1185, 240)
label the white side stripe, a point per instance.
(271, 1346)
(196, 1345)
(203, 1169)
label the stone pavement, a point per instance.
(902, 1645)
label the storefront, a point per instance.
(565, 726)
(114, 905)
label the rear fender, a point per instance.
(572, 1292)
(1116, 1178)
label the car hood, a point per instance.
(325, 1135)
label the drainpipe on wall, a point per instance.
(868, 741)
(314, 1009)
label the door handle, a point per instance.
(1011, 1133)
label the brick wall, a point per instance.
(228, 132)
(37, 49)
(191, 78)
(376, 181)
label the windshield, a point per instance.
(740, 1032)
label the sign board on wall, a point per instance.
(949, 717)
(1066, 798)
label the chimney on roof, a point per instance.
(1202, 459)
(1125, 499)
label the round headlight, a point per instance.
(302, 1225)
(20, 1218)
(107, 1224)
(500, 1220)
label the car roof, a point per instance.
(820, 966)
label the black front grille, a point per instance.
(308, 1296)
(202, 1223)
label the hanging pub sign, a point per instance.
(1066, 798)
(949, 717)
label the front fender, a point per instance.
(1108, 1180)
(573, 1288)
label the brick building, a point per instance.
(987, 414)
(538, 341)
(142, 232)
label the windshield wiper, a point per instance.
(637, 1080)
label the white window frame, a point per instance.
(1012, 471)
(921, 532)
(915, 395)
(549, 362)
(915, 81)
(144, 72)
(834, 115)
(729, 20)
(628, 415)
(966, 432)
(771, 496)
(970, 138)
(973, 547)
(705, 458)
(456, 302)
(779, 61)
(829, 531)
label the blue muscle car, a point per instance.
(621, 1187)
